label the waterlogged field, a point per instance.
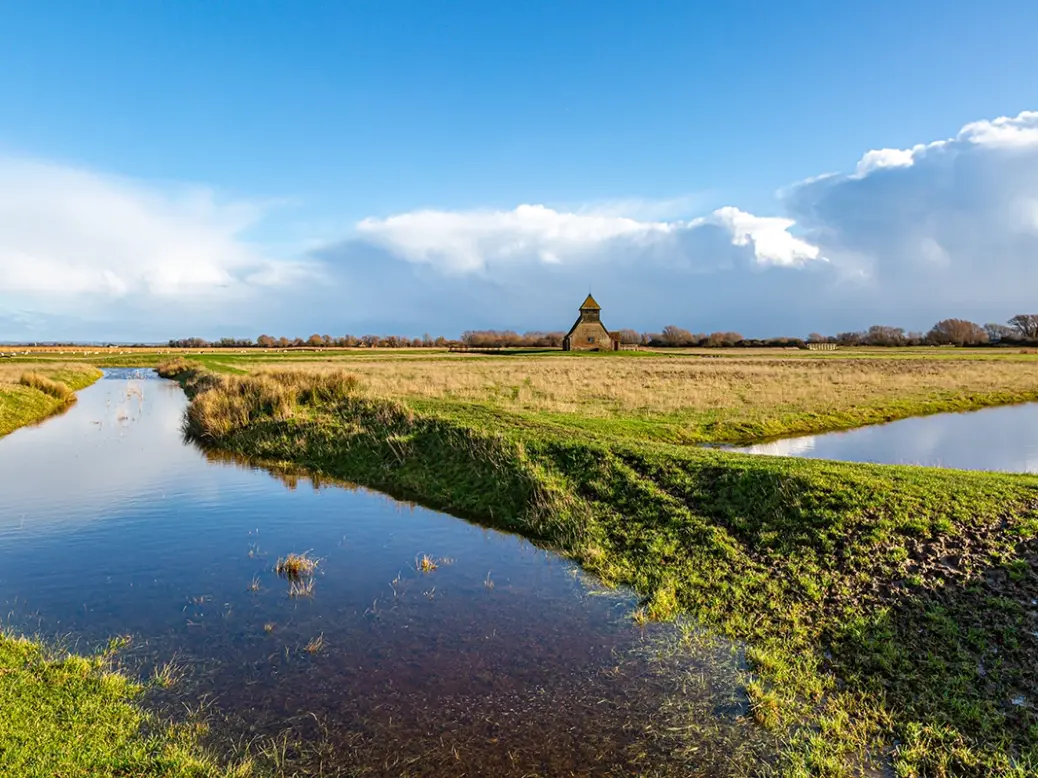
(887, 613)
(317, 629)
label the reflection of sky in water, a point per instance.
(1004, 439)
(111, 524)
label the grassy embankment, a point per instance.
(888, 612)
(32, 392)
(65, 716)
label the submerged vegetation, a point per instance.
(69, 715)
(888, 612)
(30, 395)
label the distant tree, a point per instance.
(315, 340)
(816, 337)
(999, 332)
(1026, 324)
(265, 341)
(880, 335)
(673, 335)
(629, 336)
(956, 332)
(850, 338)
(715, 339)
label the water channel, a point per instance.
(1000, 439)
(505, 660)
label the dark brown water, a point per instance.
(1000, 439)
(503, 661)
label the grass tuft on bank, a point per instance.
(888, 612)
(63, 715)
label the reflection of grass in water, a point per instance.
(425, 564)
(301, 588)
(254, 584)
(315, 645)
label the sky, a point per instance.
(177, 169)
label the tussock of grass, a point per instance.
(68, 715)
(55, 389)
(241, 400)
(425, 564)
(296, 566)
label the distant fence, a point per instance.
(821, 347)
(476, 349)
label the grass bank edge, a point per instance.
(856, 588)
(66, 714)
(41, 393)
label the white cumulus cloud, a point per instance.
(71, 237)
(465, 241)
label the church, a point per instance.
(588, 333)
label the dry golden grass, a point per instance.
(665, 385)
(71, 373)
(296, 566)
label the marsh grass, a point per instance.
(315, 645)
(295, 567)
(301, 587)
(55, 389)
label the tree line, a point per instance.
(1021, 329)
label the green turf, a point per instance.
(68, 716)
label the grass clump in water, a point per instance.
(296, 567)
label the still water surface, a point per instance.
(503, 661)
(1002, 439)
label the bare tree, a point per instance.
(998, 332)
(1026, 324)
(880, 335)
(675, 336)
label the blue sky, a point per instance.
(230, 168)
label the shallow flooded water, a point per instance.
(503, 660)
(1000, 439)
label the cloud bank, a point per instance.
(74, 243)
(904, 236)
